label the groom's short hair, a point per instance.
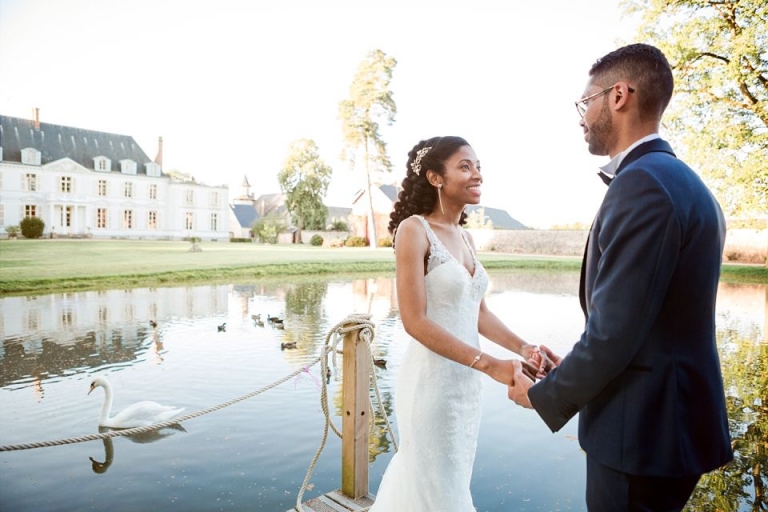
(645, 68)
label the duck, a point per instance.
(223, 327)
(153, 324)
(256, 318)
(273, 319)
(381, 363)
(140, 414)
(290, 344)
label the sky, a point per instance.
(229, 85)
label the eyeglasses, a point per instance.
(581, 105)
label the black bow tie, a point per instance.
(606, 179)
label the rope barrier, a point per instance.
(361, 322)
(149, 428)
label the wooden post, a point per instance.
(354, 424)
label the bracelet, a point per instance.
(476, 359)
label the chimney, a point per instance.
(159, 157)
(36, 113)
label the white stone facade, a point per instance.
(111, 198)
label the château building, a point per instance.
(86, 183)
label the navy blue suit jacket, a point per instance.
(645, 375)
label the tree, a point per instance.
(267, 229)
(477, 219)
(370, 101)
(719, 115)
(304, 180)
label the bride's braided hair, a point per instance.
(417, 196)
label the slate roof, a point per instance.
(268, 203)
(56, 142)
(246, 214)
(390, 191)
(499, 218)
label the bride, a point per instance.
(440, 290)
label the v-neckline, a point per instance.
(453, 257)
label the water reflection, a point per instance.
(109, 456)
(49, 343)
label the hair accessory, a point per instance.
(416, 165)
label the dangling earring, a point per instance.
(440, 198)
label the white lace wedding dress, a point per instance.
(437, 401)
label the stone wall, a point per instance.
(531, 241)
(746, 245)
(741, 245)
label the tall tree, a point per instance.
(719, 115)
(370, 101)
(304, 180)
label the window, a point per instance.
(30, 210)
(2, 215)
(30, 156)
(214, 199)
(214, 222)
(128, 219)
(153, 191)
(67, 318)
(66, 217)
(102, 163)
(66, 184)
(152, 221)
(30, 182)
(188, 220)
(32, 319)
(102, 187)
(190, 197)
(128, 191)
(101, 218)
(103, 314)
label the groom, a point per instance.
(645, 374)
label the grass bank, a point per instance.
(47, 266)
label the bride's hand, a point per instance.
(504, 370)
(550, 360)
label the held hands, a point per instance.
(542, 359)
(517, 390)
(539, 362)
(550, 360)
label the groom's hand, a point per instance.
(517, 391)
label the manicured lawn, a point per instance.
(44, 266)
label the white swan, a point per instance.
(139, 414)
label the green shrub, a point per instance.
(240, 240)
(316, 240)
(32, 227)
(385, 242)
(13, 231)
(268, 228)
(339, 225)
(356, 241)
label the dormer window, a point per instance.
(102, 163)
(30, 156)
(127, 166)
(153, 169)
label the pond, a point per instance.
(254, 455)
